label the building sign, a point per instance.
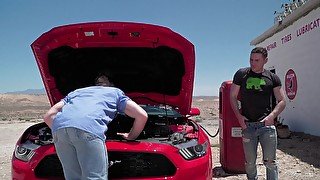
(291, 84)
(311, 25)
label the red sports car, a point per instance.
(154, 66)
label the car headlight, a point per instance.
(25, 151)
(194, 152)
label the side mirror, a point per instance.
(194, 111)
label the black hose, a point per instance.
(209, 133)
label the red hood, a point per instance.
(151, 64)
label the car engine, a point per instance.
(172, 130)
(159, 128)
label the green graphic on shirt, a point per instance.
(255, 83)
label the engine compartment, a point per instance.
(163, 129)
(159, 128)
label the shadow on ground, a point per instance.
(218, 172)
(302, 146)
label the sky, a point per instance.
(220, 30)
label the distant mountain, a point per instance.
(43, 91)
(206, 97)
(29, 91)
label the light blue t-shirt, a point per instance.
(90, 109)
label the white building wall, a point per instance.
(298, 48)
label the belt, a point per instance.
(257, 122)
(254, 123)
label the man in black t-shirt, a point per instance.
(256, 86)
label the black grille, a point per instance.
(125, 165)
(135, 164)
(49, 166)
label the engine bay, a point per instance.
(173, 130)
(159, 128)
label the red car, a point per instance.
(154, 66)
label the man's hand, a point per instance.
(242, 120)
(269, 120)
(125, 136)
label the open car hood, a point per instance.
(151, 64)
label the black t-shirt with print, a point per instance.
(256, 90)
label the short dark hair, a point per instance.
(260, 50)
(105, 73)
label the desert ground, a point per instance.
(298, 155)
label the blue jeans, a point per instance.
(82, 154)
(267, 136)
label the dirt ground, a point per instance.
(298, 156)
(10, 132)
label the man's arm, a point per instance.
(281, 104)
(234, 91)
(49, 116)
(140, 115)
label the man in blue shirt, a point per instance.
(79, 121)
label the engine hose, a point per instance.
(209, 133)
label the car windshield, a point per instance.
(161, 111)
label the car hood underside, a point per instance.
(151, 64)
